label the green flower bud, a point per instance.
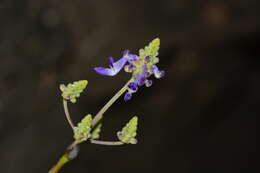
(128, 133)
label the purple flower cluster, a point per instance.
(141, 69)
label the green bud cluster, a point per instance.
(72, 91)
(152, 51)
(128, 133)
(82, 131)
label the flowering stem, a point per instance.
(99, 115)
(106, 142)
(66, 110)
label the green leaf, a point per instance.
(82, 131)
(72, 91)
(152, 51)
(96, 132)
(128, 133)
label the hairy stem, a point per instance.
(99, 115)
(66, 110)
(106, 142)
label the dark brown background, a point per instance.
(200, 118)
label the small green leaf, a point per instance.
(128, 133)
(96, 132)
(72, 91)
(82, 131)
(151, 50)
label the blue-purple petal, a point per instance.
(105, 71)
(111, 61)
(157, 72)
(118, 65)
(115, 67)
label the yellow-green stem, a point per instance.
(62, 161)
(99, 115)
(106, 142)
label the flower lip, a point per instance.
(114, 67)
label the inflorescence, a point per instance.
(141, 67)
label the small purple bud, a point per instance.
(147, 59)
(140, 79)
(129, 68)
(133, 86)
(127, 96)
(148, 83)
(147, 74)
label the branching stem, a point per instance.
(65, 158)
(106, 142)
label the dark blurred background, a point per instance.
(201, 117)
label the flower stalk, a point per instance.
(99, 115)
(66, 110)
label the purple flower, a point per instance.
(114, 67)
